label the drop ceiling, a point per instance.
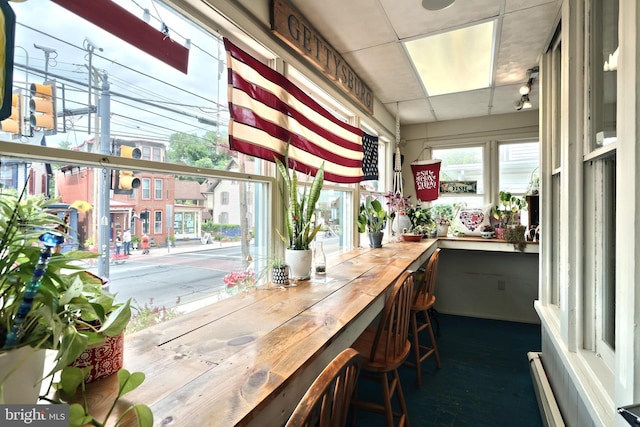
(370, 36)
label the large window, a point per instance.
(462, 164)
(518, 166)
(174, 118)
(600, 182)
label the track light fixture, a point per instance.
(525, 90)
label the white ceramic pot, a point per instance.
(443, 230)
(400, 223)
(21, 374)
(299, 262)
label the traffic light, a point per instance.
(126, 181)
(13, 123)
(43, 107)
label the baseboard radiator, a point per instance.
(549, 410)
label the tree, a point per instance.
(197, 151)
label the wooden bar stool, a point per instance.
(423, 300)
(326, 403)
(385, 347)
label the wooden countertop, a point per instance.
(257, 352)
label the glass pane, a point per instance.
(555, 234)
(205, 250)
(184, 114)
(518, 166)
(462, 164)
(609, 251)
(604, 66)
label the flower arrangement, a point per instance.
(239, 279)
(442, 221)
(396, 202)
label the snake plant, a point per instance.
(300, 225)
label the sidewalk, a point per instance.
(181, 248)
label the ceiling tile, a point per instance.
(393, 78)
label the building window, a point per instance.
(224, 198)
(157, 222)
(133, 194)
(145, 185)
(157, 155)
(157, 189)
(223, 218)
(146, 153)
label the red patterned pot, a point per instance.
(106, 358)
(500, 233)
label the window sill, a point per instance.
(480, 244)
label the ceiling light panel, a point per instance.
(455, 61)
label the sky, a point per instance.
(130, 71)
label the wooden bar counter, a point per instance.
(247, 360)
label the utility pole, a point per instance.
(104, 182)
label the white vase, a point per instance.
(400, 222)
(299, 262)
(443, 229)
(21, 374)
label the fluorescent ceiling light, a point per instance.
(455, 61)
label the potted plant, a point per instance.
(443, 216)
(300, 229)
(46, 296)
(421, 220)
(135, 242)
(487, 232)
(279, 272)
(398, 207)
(507, 213)
(374, 218)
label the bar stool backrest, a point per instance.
(390, 342)
(326, 402)
(425, 290)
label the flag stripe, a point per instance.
(277, 98)
(267, 147)
(274, 123)
(267, 111)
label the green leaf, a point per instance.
(77, 416)
(70, 379)
(144, 415)
(117, 320)
(129, 381)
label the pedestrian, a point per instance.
(118, 243)
(126, 240)
(144, 244)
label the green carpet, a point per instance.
(484, 379)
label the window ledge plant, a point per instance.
(67, 308)
(300, 229)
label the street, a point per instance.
(180, 279)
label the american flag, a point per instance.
(268, 112)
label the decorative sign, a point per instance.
(459, 186)
(288, 24)
(426, 174)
